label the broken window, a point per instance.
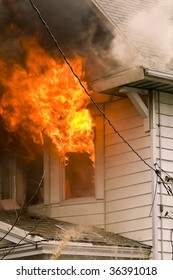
(79, 176)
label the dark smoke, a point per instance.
(73, 23)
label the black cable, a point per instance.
(84, 88)
(15, 222)
(23, 207)
(23, 238)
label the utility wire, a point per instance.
(84, 88)
(23, 208)
(99, 109)
(15, 222)
(23, 238)
(157, 172)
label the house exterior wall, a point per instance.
(164, 119)
(84, 210)
(12, 178)
(124, 204)
(127, 178)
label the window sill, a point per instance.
(79, 200)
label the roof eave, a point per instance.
(138, 77)
(79, 249)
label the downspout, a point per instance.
(153, 175)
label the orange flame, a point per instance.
(43, 97)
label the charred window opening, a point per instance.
(79, 176)
(5, 188)
(34, 186)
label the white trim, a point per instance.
(16, 234)
(138, 103)
(153, 175)
(54, 175)
(78, 249)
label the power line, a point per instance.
(23, 238)
(84, 88)
(20, 214)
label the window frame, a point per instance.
(54, 170)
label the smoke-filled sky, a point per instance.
(153, 27)
(78, 30)
(73, 23)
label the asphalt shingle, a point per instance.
(147, 24)
(52, 229)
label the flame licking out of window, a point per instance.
(43, 97)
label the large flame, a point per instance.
(42, 97)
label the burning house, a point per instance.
(86, 129)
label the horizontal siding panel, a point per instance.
(166, 98)
(167, 143)
(130, 226)
(166, 120)
(166, 234)
(128, 191)
(97, 220)
(128, 215)
(166, 109)
(144, 235)
(124, 124)
(166, 132)
(126, 157)
(128, 180)
(128, 203)
(137, 144)
(165, 154)
(119, 114)
(162, 189)
(166, 256)
(77, 209)
(166, 246)
(167, 223)
(167, 165)
(120, 107)
(125, 169)
(134, 133)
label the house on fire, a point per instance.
(131, 194)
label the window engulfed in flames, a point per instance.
(42, 97)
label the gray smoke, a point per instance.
(73, 23)
(152, 29)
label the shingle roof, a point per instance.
(147, 24)
(52, 229)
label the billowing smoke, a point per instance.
(73, 23)
(152, 31)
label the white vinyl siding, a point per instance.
(127, 178)
(165, 161)
(84, 210)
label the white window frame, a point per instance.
(54, 170)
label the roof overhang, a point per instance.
(139, 77)
(17, 243)
(29, 250)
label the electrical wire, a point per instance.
(99, 109)
(16, 221)
(23, 208)
(23, 238)
(165, 184)
(84, 88)
(168, 189)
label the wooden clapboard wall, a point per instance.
(164, 113)
(127, 178)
